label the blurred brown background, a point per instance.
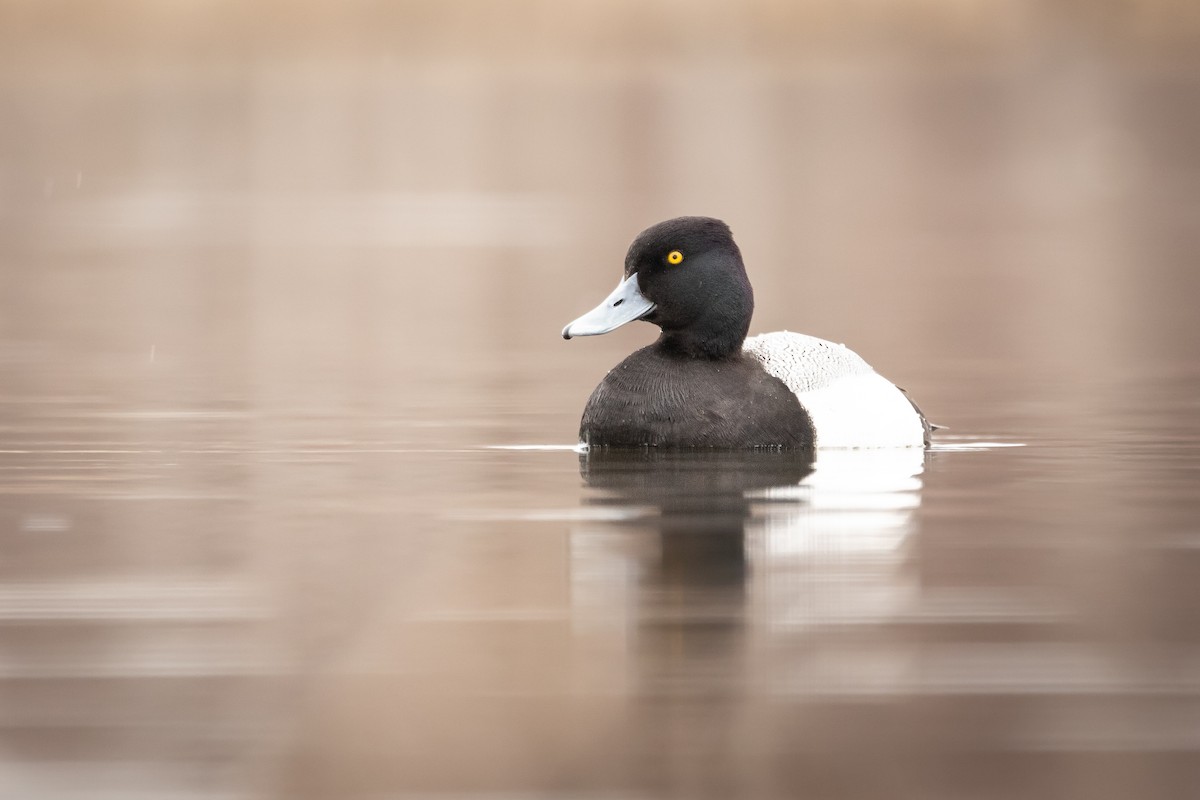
(272, 273)
(324, 203)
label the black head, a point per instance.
(692, 270)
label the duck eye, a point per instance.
(674, 257)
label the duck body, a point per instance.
(657, 398)
(703, 384)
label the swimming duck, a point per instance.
(703, 384)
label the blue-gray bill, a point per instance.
(625, 304)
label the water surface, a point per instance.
(289, 505)
(211, 602)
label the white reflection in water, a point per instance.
(834, 554)
(771, 539)
(751, 554)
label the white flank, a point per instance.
(862, 411)
(851, 406)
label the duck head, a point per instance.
(686, 276)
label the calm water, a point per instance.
(219, 601)
(288, 501)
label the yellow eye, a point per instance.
(674, 257)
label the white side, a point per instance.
(862, 411)
(851, 405)
(804, 362)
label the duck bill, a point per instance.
(625, 304)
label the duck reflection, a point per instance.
(687, 528)
(718, 567)
(692, 594)
(685, 604)
(701, 507)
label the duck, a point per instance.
(704, 385)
